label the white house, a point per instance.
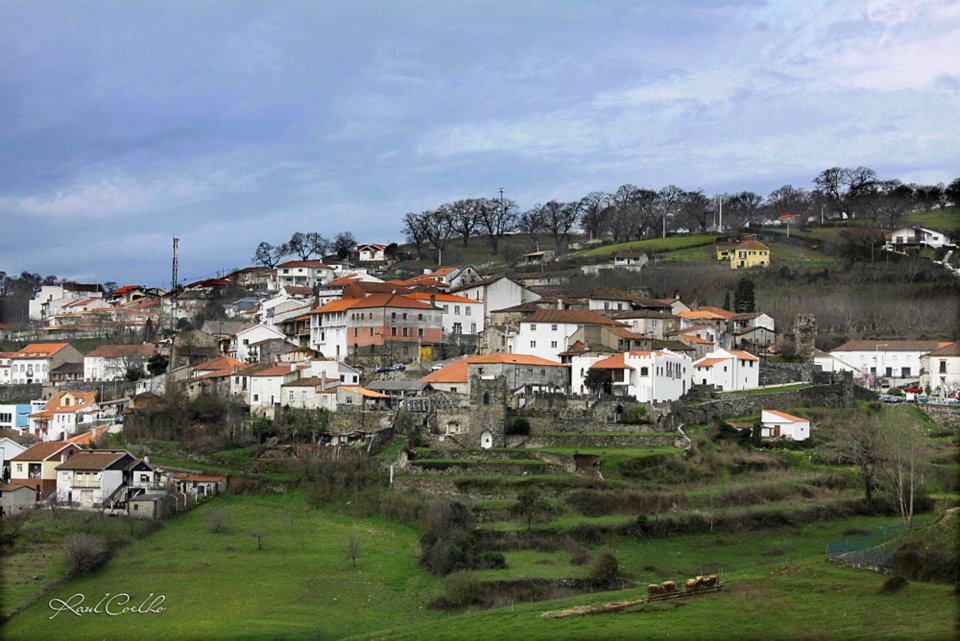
(728, 369)
(303, 273)
(241, 341)
(649, 322)
(8, 449)
(649, 377)
(266, 386)
(63, 414)
(310, 393)
(51, 298)
(775, 424)
(916, 235)
(111, 362)
(33, 363)
(546, 332)
(941, 369)
(898, 361)
(93, 478)
(371, 253)
(496, 292)
(460, 315)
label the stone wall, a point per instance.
(833, 395)
(780, 373)
(946, 416)
(20, 392)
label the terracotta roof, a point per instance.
(276, 370)
(343, 280)
(312, 381)
(42, 451)
(201, 478)
(951, 349)
(644, 313)
(442, 271)
(455, 372)
(87, 438)
(389, 300)
(743, 356)
(126, 288)
(40, 350)
(363, 391)
(92, 460)
(422, 280)
(709, 362)
(706, 313)
(319, 264)
(55, 404)
(571, 316)
(752, 244)
(626, 332)
(222, 365)
(442, 297)
(693, 338)
(144, 350)
(11, 487)
(889, 346)
(210, 282)
(338, 305)
(789, 417)
(614, 362)
(295, 290)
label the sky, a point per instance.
(230, 123)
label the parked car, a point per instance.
(912, 389)
(398, 367)
(890, 398)
(383, 370)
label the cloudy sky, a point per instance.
(228, 123)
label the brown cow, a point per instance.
(654, 590)
(691, 585)
(669, 586)
(710, 581)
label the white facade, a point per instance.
(266, 387)
(51, 298)
(328, 333)
(87, 488)
(900, 363)
(779, 425)
(460, 315)
(371, 253)
(728, 369)
(545, 340)
(941, 371)
(649, 377)
(8, 449)
(919, 236)
(241, 341)
(303, 273)
(497, 294)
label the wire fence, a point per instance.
(864, 550)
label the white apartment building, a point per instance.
(303, 273)
(649, 377)
(898, 361)
(461, 315)
(728, 369)
(546, 333)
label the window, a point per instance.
(644, 371)
(420, 332)
(356, 331)
(943, 367)
(533, 343)
(256, 397)
(406, 330)
(446, 308)
(466, 310)
(371, 331)
(553, 343)
(456, 309)
(533, 327)
(393, 331)
(553, 328)
(889, 371)
(473, 328)
(420, 317)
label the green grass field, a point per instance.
(946, 220)
(670, 243)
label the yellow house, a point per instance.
(724, 250)
(750, 254)
(36, 466)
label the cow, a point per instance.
(654, 590)
(669, 586)
(691, 585)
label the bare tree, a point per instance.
(558, 219)
(907, 456)
(464, 218)
(497, 218)
(594, 212)
(742, 209)
(438, 227)
(841, 186)
(531, 223)
(343, 244)
(217, 521)
(317, 244)
(270, 256)
(415, 231)
(859, 441)
(299, 246)
(696, 211)
(669, 200)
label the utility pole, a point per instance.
(720, 207)
(175, 268)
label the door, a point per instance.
(486, 440)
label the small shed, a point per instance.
(16, 498)
(151, 506)
(775, 424)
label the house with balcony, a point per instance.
(34, 362)
(727, 370)
(92, 479)
(303, 273)
(904, 238)
(649, 377)
(36, 467)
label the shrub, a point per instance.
(217, 521)
(491, 561)
(519, 427)
(893, 585)
(462, 590)
(895, 391)
(448, 544)
(605, 570)
(635, 415)
(85, 553)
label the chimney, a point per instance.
(433, 299)
(559, 303)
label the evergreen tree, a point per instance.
(743, 297)
(726, 301)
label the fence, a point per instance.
(863, 550)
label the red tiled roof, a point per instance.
(144, 350)
(570, 316)
(442, 297)
(319, 264)
(752, 244)
(617, 361)
(890, 346)
(709, 362)
(42, 451)
(789, 417)
(40, 350)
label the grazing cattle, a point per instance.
(691, 585)
(669, 586)
(654, 590)
(710, 581)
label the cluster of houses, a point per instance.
(71, 473)
(933, 365)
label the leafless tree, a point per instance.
(531, 222)
(558, 219)
(438, 226)
(318, 244)
(859, 440)
(415, 231)
(269, 255)
(669, 200)
(217, 521)
(841, 186)
(465, 218)
(497, 217)
(907, 456)
(594, 212)
(299, 246)
(696, 211)
(742, 209)
(788, 198)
